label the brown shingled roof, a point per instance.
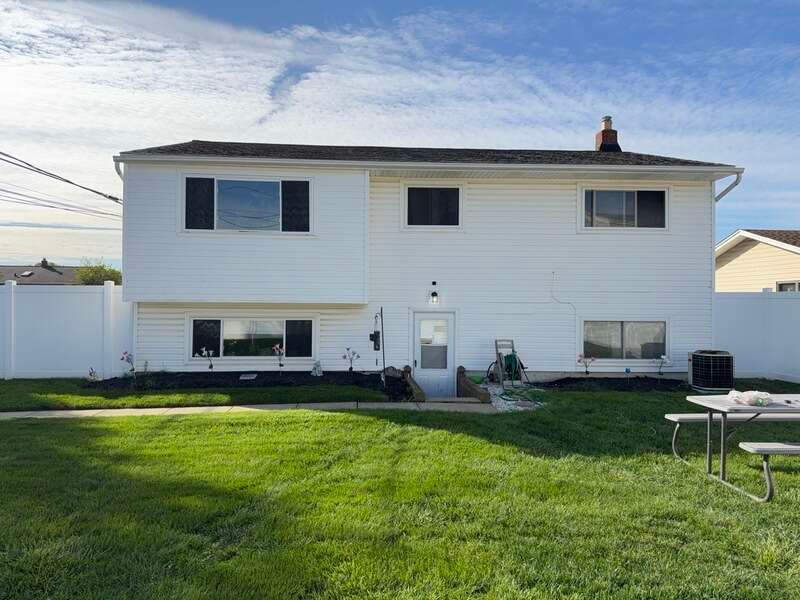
(49, 274)
(787, 236)
(487, 156)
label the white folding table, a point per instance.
(779, 403)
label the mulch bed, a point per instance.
(621, 384)
(396, 388)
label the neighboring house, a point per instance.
(43, 273)
(235, 247)
(751, 260)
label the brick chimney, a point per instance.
(606, 139)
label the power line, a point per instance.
(29, 197)
(13, 200)
(18, 162)
(38, 199)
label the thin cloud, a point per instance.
(83, 81)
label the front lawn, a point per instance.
(41, 394)
(580, 499)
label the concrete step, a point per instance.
(453, 399)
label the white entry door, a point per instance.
(434, 367)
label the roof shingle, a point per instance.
(488, 156)
(786, 236)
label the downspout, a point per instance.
(733, 184)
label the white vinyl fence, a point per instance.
(762, 330)
(62, 331)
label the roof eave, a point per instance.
(742, 234)
(712, 171)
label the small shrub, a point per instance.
(96, 273)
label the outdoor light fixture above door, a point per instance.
(433, 295)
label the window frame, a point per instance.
(796, 284)
(619, 362)
(279, 178)
(606, 187)
(302, 361)
(427, 184)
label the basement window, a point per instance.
(215, 204)
(433, 206)
(630, 340)
(624, 209)
(787, 286)
(252, 338)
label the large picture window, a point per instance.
(247, 205)
(632, 340)
(254, 338)
(433, 206)
(622, 208)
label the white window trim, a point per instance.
(427, 184)
(626, 361)
(581, 223)
(190, 317)
(239, 177)
(779, 283)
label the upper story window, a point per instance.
(433, 206)
(787, 286)
(625, 208)
(247, 205)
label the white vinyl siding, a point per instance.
(162, 262)
(516, 269)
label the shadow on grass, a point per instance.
(44, 394)
(83, 518)
(591, 424)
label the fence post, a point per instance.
(10, 334)
(108, 329)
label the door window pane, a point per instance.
(246, 205)
(433, 343)
(205, 336)
(602, 339)
(246, 337)
(433, 206)
(645, 339)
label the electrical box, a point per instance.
(375, 338)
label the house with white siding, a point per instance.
(235, 248)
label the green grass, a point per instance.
(580, 499)
(35, 394)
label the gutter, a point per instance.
(719, 171)
(733, 184)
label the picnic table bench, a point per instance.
(722, 410)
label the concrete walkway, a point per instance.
(463, 407)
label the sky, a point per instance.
(81, 81)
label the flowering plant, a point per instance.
(280, 352)
(663, 361)
(128, 358)
(207, 354)
(350, 356)
(585, 361)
